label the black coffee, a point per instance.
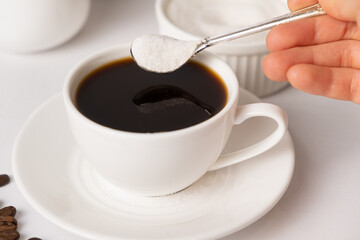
(123, 96)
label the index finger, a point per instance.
(311, 31)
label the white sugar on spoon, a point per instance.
(158, 53)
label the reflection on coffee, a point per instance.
(122, 96)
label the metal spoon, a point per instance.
(168, 62)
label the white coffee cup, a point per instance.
(154, 164)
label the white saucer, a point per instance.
(55, 180)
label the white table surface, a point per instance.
(323, 199)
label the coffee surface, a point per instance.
(122, 96)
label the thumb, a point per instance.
(345, 10)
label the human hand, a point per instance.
(319, 55)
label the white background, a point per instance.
(323, 199)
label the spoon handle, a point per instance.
(307, 12)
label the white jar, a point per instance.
(195, 19)
(36, 25)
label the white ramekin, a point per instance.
(244, 57)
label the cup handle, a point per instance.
(255, 110)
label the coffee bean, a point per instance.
(8, 211)
(9, 235)
(7, 223)
(4, 179)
